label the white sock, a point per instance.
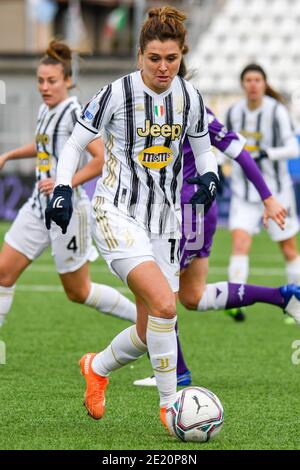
(108, 300)
(238, 269)
(162, 347)
(214, 297)
(124, 348)
(6, 298)
(293, 271)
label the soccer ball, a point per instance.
(196, 416)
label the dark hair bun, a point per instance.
(59, 51)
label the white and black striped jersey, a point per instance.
(143, 134)
(267, 128)
(54, 127)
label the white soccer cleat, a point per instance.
(291, 295)
(183, 380)
(147, 382)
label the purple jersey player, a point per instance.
(232, 145)
(194, 293)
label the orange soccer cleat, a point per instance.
(163, 417)
(94, 398)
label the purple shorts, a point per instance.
(201, 249)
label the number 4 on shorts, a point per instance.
(72, 245)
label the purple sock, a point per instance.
(181, 365)
(241, 295)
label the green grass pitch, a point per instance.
(247, 365)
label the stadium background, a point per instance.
(224, 35)
(248, 365)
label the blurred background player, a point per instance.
(264, 121)
(28, 237)
(137, 211)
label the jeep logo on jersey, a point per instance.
(156, 157)
(155, 130)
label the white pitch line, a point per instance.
(50, 268)
(215, 270)
(264, 272)
(56, 288)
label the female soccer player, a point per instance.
(28, 237)
(264, 121)
(144, 118)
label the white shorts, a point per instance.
(29, 235)
(119, 237)
(248, 216)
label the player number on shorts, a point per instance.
(72, 245)
(172, 242)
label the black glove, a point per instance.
(262, 154)
(60, 208)
(207, 190)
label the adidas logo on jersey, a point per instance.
(212, 188)
(156, 157)
(57, 202)
(155, 130)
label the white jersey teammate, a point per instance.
(54, 127)
(264, 121)
(28, 237)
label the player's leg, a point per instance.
(195, 247)
(129, 252)
(287, 237)
(25, 240)
(229, 295)
(72, 253)
(238, 269)
(291, 255)
(12, 264)
(226, 295)
(194, 255)
(193, 283)
(155, 325)
(105, 299)
(244, 222)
